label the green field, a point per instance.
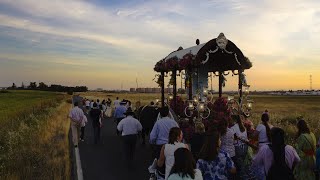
(283, 110)
(16, 103)
(33, 135)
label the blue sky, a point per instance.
(108, 43)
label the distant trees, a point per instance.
(42, 86)
(54, 87)
(33, 85)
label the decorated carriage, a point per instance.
(218, 57)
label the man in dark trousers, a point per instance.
(96, 116)
(148, 117)
(129, 127)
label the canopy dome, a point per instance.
(220, 54)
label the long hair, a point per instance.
(174, 134)
(265, 119)
(278, 145)
(239, 122)
(184, 163)
(210, 148)
(302, 127)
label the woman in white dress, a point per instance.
(264, 129)
(167, 150)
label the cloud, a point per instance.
(72, 33)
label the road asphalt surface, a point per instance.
(105, 160)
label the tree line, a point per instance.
(44, 87)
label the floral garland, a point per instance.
(187, 61)
(172, 64)
(160, 66)
(220, 114)
(158, 79)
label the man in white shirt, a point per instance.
(130, 127)
(116, 103)
(87, 104)
(76, 116)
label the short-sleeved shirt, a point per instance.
(263, 138)
(265, 157)
(76, 114)
(160, 131)
(87, 103)
(243, 135)
(129, 126)
(216, 169)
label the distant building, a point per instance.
(148, 90)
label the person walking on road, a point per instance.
(109, 109)
(76, 116)
(119, 113)
(148, 116)
(129, 127)
(116, 103)
(160, 131)
(83, 126)
(95, 115)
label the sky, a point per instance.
(110, 43)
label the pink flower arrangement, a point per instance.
(172, 64)
(220, 114)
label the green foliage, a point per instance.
(4, 91)
(23, 114)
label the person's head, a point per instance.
(265, 117)
(302, 127)
(117, 98)
(278, 145)
(211, 146)
(199, 128)
(138, 104)
(175, 135)
(129, 112)
(184, 163)
(164, 111)
(95, 105)
(76, 103)
(98, 100)
(151, 103)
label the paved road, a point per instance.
(105, 160)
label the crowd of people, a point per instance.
(194, 149)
